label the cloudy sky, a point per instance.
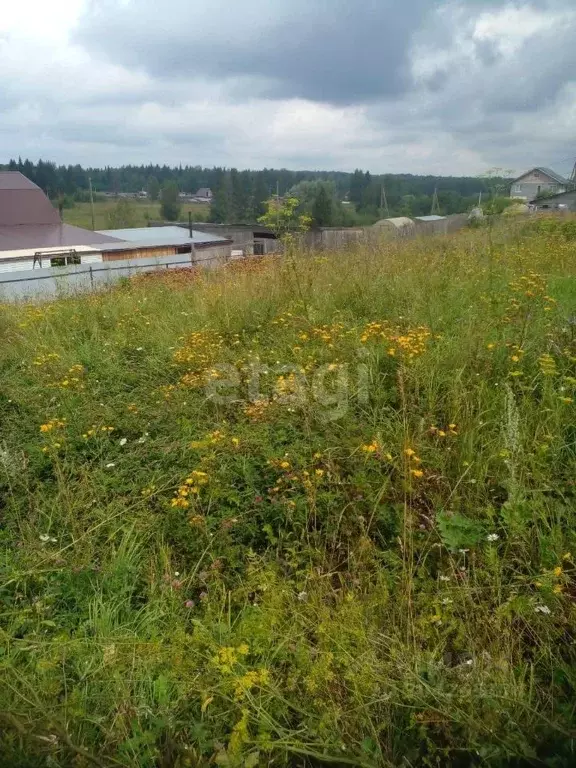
(419, 86)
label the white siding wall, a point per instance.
(18, 261)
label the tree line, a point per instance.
(332, 198)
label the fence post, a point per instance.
(91, 278)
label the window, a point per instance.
(517, 188)
(65, 261)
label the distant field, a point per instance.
(80, 215)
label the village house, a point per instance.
(204, 195)
(536, 182)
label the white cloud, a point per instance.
(488, 84)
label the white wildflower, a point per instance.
(302, 596)
(123, 441)
(444, 578)
(492, 537)
(543, 609)
(44, 537)
(139, 349)
(110, 465)
(463, 551)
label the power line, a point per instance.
(384, 201)
(435, 203)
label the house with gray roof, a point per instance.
(537, 181)
(564, 201)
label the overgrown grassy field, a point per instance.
(317, 510)
(144, 211)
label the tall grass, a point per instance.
(367, 559)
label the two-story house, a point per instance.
(537, 181)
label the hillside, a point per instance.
(296, 512)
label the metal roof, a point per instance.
(540, 200)
(15, 180)
(430, 218)
(22, 202)
(554, 175)
(156, 237)
(548, 172)
(28, 220)
(38, 236)
(399, 222)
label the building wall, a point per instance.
(63, 281)
(221, 252)
(530, 185)
(439, 227)
(333, 238)
(244, 236)
(214, 256)
(139, 253)
(20, 264)
(568, 200)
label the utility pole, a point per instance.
(191, 232)
(384, 202)
(573, 174)
(435, 203)
(91, 204)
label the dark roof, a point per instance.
(539, 200)
(22, 202)
(15, 180)
(29, 220)
(549, 172)
(556, 176)
(26, 236)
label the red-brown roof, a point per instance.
(29, 220)
(48, 236)
(22, 202)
